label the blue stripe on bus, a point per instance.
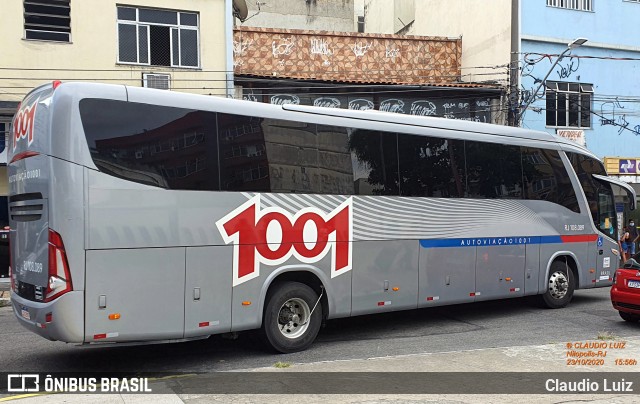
(490, 241)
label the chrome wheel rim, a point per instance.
(558, 285)
(293, 318)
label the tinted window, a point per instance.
(162, 146)
(4, 212)
(546, 178)
(4, 134)
(493, 171)
(431, 167)
(374, 157)
(186, 149)
(243, 157)
(599, 195)
(336, 169)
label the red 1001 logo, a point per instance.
(272, 235)
(23, 124)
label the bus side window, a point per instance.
(546, 178)
(431, 167)
(493, 170)
(374, 156)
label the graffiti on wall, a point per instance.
(610, 115)
(361, 104)
(468, 109)
(283, 47)
(566, 69)
(391, 53)
(360, 49)
(320, 47)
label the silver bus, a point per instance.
(147, 215)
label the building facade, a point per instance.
(317, 15)
(141, 43)
(183, 46)
(405, 74)
(593, 90)
(590, 95)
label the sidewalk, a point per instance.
(549, 358)
(5, 286)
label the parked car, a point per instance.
(625, 292)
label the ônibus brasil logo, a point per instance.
(271, 236)
(23, 124)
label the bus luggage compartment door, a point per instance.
(500, 271)
(447, 275)
(385, 276)
(134, 294)
(207, 297)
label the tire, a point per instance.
(633, 318)
(560, 286)
(288, 324)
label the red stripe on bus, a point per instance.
(100, 336)
(429, 298)
(203, 324)
(472, 294)
(579, 238)
(23, 155)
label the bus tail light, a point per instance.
(59, 275)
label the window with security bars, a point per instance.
(47, 20)
(4, 135)
(568, 104)
(582, 5)
(158, 37)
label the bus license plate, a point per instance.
(633, 284)
(25, 313)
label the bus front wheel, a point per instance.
(292, 317)
(560, 286)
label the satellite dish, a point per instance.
(240, 9)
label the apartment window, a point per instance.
(569, 104)
(47, 20)
(582, 5)
(4, 135)
(157, 37)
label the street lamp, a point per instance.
(572, 45)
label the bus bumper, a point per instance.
(66, 315)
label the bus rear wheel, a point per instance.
(292, 317)
(560, 286)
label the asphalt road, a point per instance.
(514, 322)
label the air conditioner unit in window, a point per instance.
(139, 154)
(153, 80)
